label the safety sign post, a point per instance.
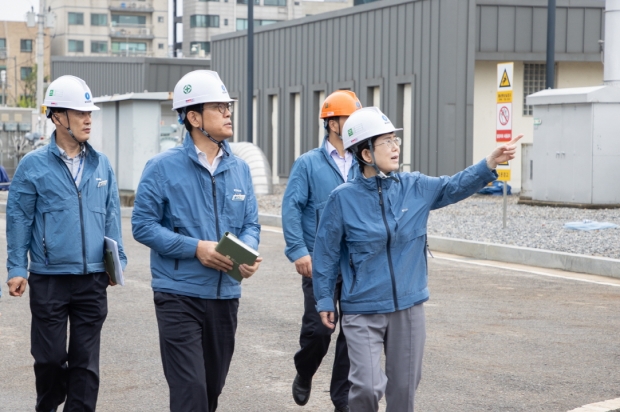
(503, 120)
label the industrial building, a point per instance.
(110, 28)
(430, 65)
(18, 61)
(204, 19)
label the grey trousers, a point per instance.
(402, 334)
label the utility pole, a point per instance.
(250, 102)
(40, 60)
(550, 72)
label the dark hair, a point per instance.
(359, 148)
(54, 110)
(193, 108)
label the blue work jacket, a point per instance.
(178, 203)
(60, 224)
(313, 176)
(376, 237)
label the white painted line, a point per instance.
(271, 229)
(533, 272)
(604, 406)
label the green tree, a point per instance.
(28, 98)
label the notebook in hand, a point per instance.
(237, 251)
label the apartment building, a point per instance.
(110, 28)
(18, 57)
(203, 19)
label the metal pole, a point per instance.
(505, 185)
(40, 64)
(550, 80)
(250, 102)
(174, 28)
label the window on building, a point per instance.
(76, 19)
(242, 24)
(121, 47)
(534, 79)
(128, 20)
(98, 19)
(225, 22)
(160, 19)
(246, 2)
(98, 46)
(160, 46)
(280, 3)
(76, 46)
(199, 48)
(24, 72)
(204, 20)
(2, 44)
(25, 45)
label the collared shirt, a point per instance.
(343, 163)
(75, 165)
(204, 162)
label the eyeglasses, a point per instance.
(391, 143)
(221, 107)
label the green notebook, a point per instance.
(237, 251)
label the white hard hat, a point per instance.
(69, 92)
(199, 86)
(365, 123)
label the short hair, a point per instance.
(198, 108)
(359, 148)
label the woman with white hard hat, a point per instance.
(62, 204)
(188, 197)
(376, 237)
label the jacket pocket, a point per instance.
(62, 237)
(354, 278)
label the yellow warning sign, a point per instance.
(504, 97)
(503, 174)
(505, 82)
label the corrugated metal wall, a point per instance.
(426, 43)
(510, 30)
(117, 75)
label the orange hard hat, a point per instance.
(340, 103)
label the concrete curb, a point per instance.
(510, 254)
(488, 251)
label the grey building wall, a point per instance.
(426, 43)
(509, 30)
(117, 75)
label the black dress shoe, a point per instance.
(301, 390)
(342, 409)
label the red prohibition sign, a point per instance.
(504, 115)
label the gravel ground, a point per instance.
(479, 218)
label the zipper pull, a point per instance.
(380, 194)
(428, 250)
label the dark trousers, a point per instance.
(74, 374)
(314, 340)
(197, 341)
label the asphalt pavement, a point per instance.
(501, 337)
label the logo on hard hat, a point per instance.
(87, 96)
(187, 88)
(384, 117)
(350, 131)
(51, 92)
(358, 105)
(224, 89)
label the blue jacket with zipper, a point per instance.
(313, 176)
(178, 203)
(376, 237)
(60, 224)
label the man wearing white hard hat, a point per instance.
(62, 203)
(376, 237)
(188, 197)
